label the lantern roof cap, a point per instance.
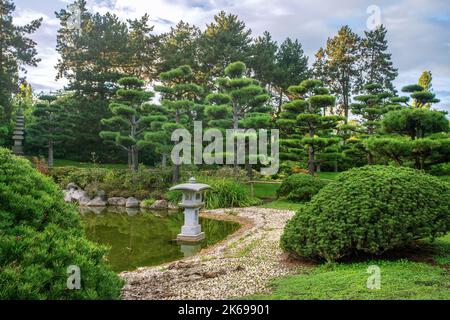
(191, 186)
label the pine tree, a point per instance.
(371, 106)
(95, 53)
(421, 98)
(16, 51)
(377, 66)
(158, 137)
(179, 46)
(224, 41)
(304, 116)
(50, 126)
(425, 82)
(130, 118)
(338, 66)
(238, 97)
(181, 97)
(263, 59)
(291, 67)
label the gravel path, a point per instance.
(242, 264)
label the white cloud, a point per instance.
(418, 30)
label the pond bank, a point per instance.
(242, 264)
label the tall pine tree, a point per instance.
(377, 66)
(16, 51)
(337, 66)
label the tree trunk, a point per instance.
(129, 159)
(50, 154)
(280, 102)
(164, 160)
(134, 159)
(176, 173)
(235, 147)
(311, 154)
(311, 160)
(369, 159)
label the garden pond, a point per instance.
(140, 238)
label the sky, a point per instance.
(418, 30)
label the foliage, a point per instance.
(336, 65)
(17, 50)
(416, 123)
(181, 103)
(115, 182)
(304, 124)
(441, 169)
(300, 187)
(130, 118)
(370, 210)
(377, 66)
(32, 209)
(240, 101)
(224, 41)
(50, 125)
(224, 193)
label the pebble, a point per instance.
(244, 264)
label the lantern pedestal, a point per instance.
(191, 202)
(188, 238)
(191, 231)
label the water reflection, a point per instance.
(142, 238)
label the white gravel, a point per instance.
(243, 264)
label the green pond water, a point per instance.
(140, 238)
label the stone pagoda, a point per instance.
(18, 134)
(192, 202)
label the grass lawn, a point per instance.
(282, 204)
(70, 163)
(265, 190)
(400, 279)
(328, 175)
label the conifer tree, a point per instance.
(305, 114)
(17, 50)
(338, 66)
(181, 96)
(238, 97)
(50, 125)
(377, 66)
(224, 41)
(130, 118)
(370, 107)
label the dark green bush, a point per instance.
(41, 236)
(300, 187)
(370, 209)
(441, 169)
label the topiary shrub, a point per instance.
(41, 236)
(300, 187)
(370, 209)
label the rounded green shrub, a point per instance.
(41, 237)
(300, 187)
(371, 210)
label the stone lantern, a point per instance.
(192, 202)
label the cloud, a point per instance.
(418, 30)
